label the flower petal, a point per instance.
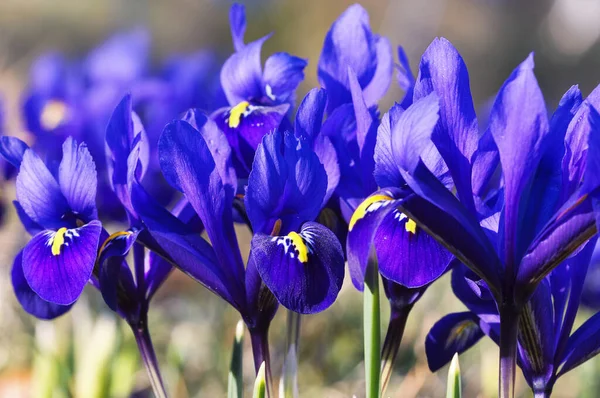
(348, 44)
(245, 126)
(406, 79)
(78, 180)
(382, 78)
(12, 149)
(518, 123)
(188, 165)
(282, 75)
(287, 182)
(443, 71)
(237, 22)
(583, 345)
(58, 264)
(38, 192)
(29, 300)
(309, 117)
(304, 270)
(241, 75)
(406, 254)
(387, 173)
(182, 245)
(454, 333)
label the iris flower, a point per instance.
(547, 348)
(57, 206)
(196, 160)
(350, 43)
(512, 233)
(259, 99)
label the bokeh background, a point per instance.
(90, 353)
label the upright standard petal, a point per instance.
(38, 192)
(287, 183)
(237, 22)
(241, 75)
(58, 264)
(348, 44)
(29, 300)
(304, 270)
(309, 117)
(188, 165)
(78, 180)
(282, 75)
(518, 123)
(443, 71)
(381, 80)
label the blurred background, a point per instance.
(90, 353)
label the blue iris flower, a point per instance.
(548, 346)
(259, 99)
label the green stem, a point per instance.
(290, 366)
(235, 381)
(144, 342)
(372, 334)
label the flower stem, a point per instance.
(144, 342)
(260, 351)
(509, 328)
(391, 344)
(290, 366)
(372, 334)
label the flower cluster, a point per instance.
(182, 157)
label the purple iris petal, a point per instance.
(443, 71)
(181, 244)
(387, 173)
(362, 229)
(77, 179)
(237, 21)
(12, 149)
(241, 75)
(309, 117)
(29, 300)
(406, 79)
(188, 165)
(246, 130)
(282, 75)
(38, 192)
(217, 144)
(158, 269)
(30, 226)
(406, 254)
(58, 264)
(350, 44)
(304, 270)
(519, 124)
(536, 336)
(287, 182)
(382, 78)
(582, 345)
(111, 259)
(454, 333)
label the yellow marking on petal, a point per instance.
(299, 245)
(457, 332)
(361, 210)
(235, 114)
(113, 237)
(58, 241)
(53, 114)
(411, 226)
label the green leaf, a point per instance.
(235, 384)
(454, 388)
(260, 384)
(372, 332)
